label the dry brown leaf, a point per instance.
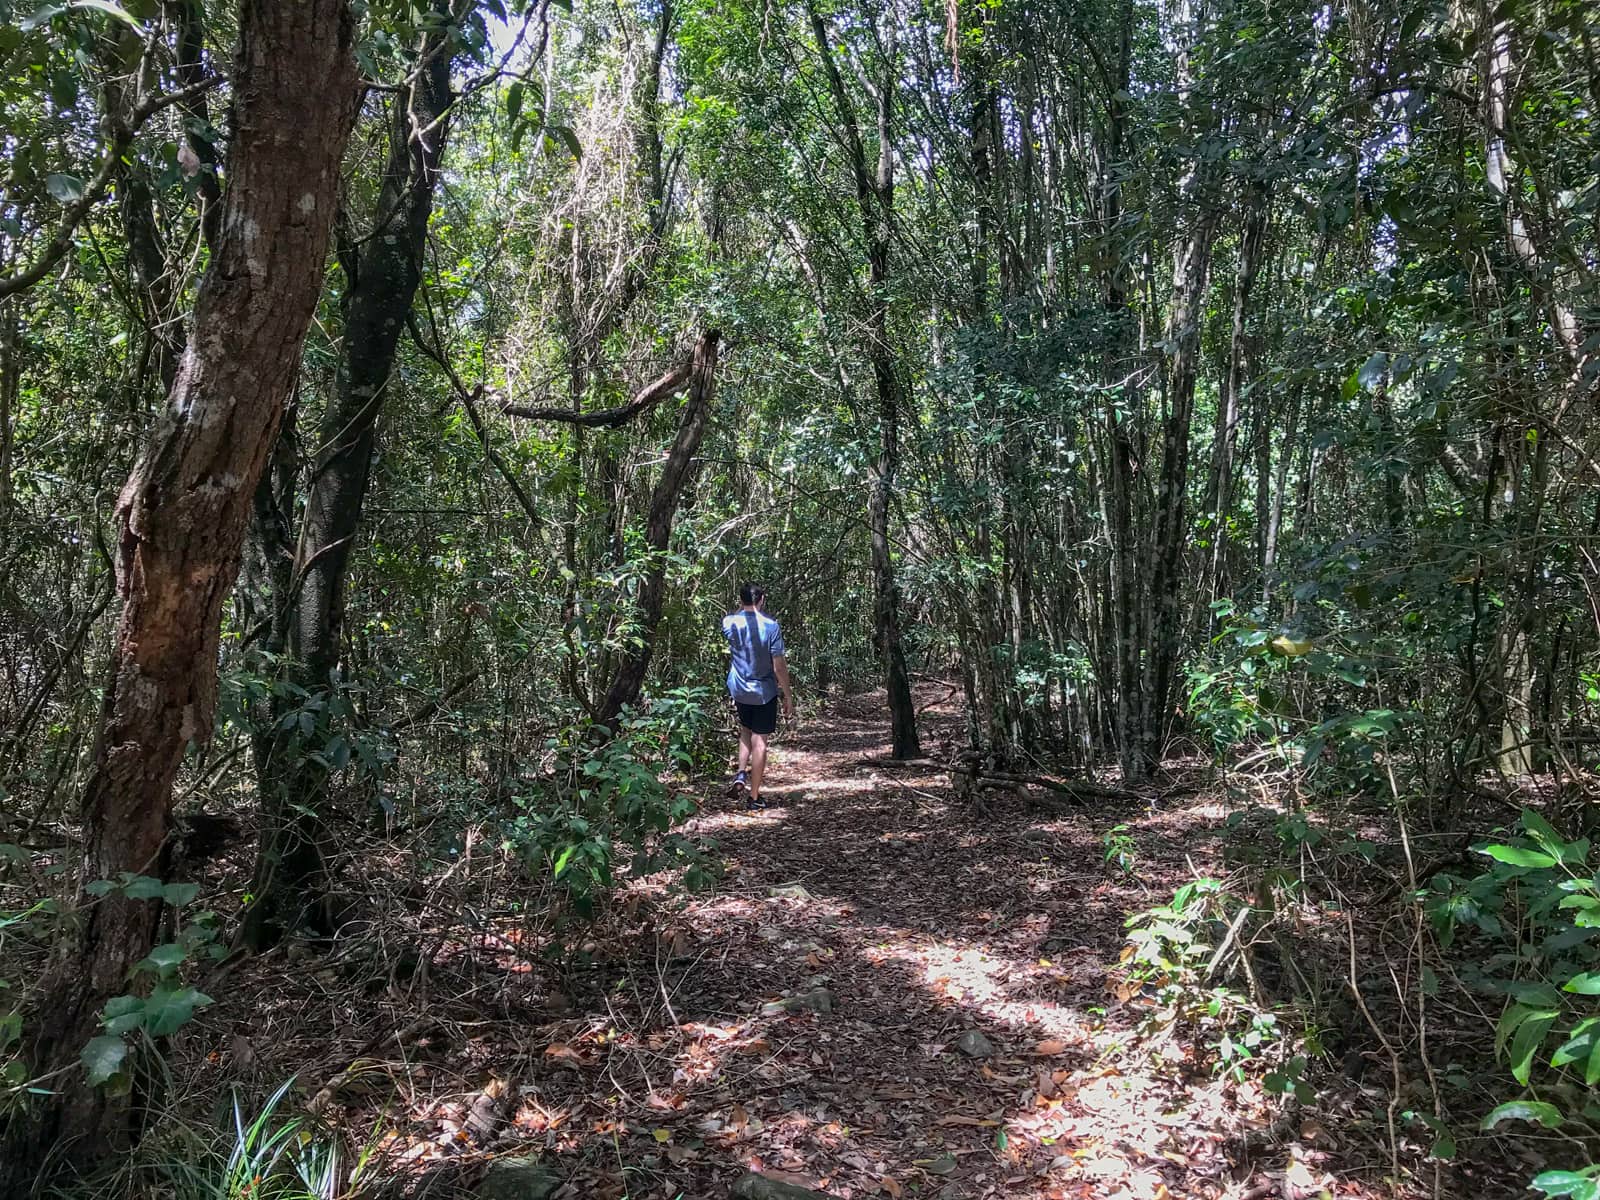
(957, 1119)
(1049, 1047)
(889, 1186)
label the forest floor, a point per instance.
(887, 994)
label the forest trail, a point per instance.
(888, 993)
(891, 995)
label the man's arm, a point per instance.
(780, 668)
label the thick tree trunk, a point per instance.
(628, 682)
(290, 883)
(1524, 490)
(182, 517)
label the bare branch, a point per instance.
(609, 418)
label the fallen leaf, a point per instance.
(1050, 1047)
(889, 1186)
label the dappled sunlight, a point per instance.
(743, 819)
(886, 994)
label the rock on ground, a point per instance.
(518, 1179)
(974, 1045)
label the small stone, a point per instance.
(973, 1044)
(789, 891)
(518, 1179)
(818, 1000)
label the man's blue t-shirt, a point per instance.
(755, 640)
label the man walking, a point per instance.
(758, 678)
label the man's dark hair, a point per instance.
(751, 593)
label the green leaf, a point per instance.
(567, 136)
(103, 1057)
(564, 860)
(168, 1010)
(110, 10)
(1372, 371)
(67, 189)
(514, 100)
(179, 894)
(142, 887)
(1543, 832)
(122, 1014)
(40, 15)
(1587, 984)
(1518, 856)
(1565, 1183)
(163, 960)
(1530, 1036)
(1535, 1112)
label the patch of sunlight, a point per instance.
(817, 787)
(735, 908)
(766, 817)
(982, 981)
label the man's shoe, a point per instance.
(755, 803)
(737, 787)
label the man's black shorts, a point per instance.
(759, 718)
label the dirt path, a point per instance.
(891, 995)
(888, 994)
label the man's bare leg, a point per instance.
(758, 764)
(744, 749)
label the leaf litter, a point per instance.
(691, 1041)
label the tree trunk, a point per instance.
(628, 682)
(290, 883)
(10, 388)
(1252, 242)
(181, 520)
(1169, 542)
(875, 202)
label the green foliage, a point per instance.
(1176, 956)
(158, 1003)
(1529, 929)
(1120, 851)
(607, 806)
(266, 1152)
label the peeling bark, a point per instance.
(181, 520)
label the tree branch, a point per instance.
(121, 142)
(649, 397)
